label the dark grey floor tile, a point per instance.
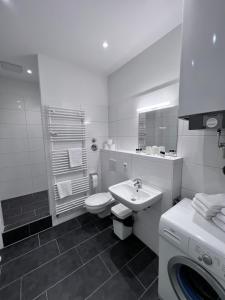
(97, 244)
(42, 297)
(26, 263)
(81, 283)
(76, 236)
(57, 231)
(145, 266)
(151, 293)
(19, 248)
(11, 292)
(47, 275)
(122, 286)
(118, 255)
(87, 218)
(101, 224)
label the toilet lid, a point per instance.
(99, 199)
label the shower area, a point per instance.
(23, 172)
(44, 177)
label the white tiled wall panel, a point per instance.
(22, 161)
(203, 161)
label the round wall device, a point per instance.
(212, 123)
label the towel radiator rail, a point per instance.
(66, 126)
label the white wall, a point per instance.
(69, 86)
(22, 158)
(157, 65)
(203, 161)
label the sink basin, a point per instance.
(133, 198)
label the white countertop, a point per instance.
(167, 157)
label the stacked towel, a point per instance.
(64, 188)
(211, 207)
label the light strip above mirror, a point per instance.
(153, 107)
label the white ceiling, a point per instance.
(74, 30)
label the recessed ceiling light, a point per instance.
(214, 39)
(29, 71)
(105, 45)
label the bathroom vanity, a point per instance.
(162, 173)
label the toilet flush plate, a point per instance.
(135, 199)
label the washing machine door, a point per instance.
(192, 282)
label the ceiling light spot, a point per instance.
(105, 45)
(29, 71)
(214, 39)
(192, 63)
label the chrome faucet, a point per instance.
(137, 183)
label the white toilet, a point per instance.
(99, 204)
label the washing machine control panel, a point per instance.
(207, 258)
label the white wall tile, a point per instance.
(13, 145)
(36, 157)
(39, 183)
(202, 178)
(14, 159)
(97, 129)
(126, 143)
(34, 131)
(15, 172)
(38, 170)
(16, 188)
(202, 150)
(9, 131)
(96, 113)
(20, 133)
(153, 172)
(33, 117)
(35, 144)
(8, 116)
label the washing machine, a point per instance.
(191, 256)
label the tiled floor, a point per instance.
(25, 209)
(79, 259)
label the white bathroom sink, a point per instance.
(136, 199)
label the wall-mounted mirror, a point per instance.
(23, 177)
(159, 127)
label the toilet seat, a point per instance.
(98, 200)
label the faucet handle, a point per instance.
(137, 179)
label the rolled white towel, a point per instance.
(221, 217)
(203, 213)
(216, 201)
(218, 223)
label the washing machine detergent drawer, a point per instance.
(175, 237)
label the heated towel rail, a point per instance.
(66, 129)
